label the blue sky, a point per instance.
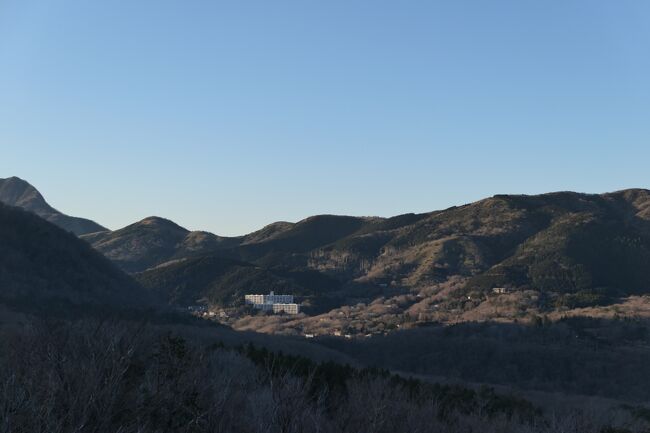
(228, 115)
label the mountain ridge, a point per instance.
(15, 191)
(153, 241)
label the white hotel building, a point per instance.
(273, 302)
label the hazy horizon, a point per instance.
(227, 117)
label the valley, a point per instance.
(510, 299)
(501, 259)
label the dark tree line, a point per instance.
(120, 377)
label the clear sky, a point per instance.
(228, 115)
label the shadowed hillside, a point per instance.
(43, 266)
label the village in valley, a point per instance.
(283, 314)
(270, 304)
(441, 304)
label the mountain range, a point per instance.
(583, 248)
(560, 242)
(370, 288)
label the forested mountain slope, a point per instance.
(566, 243)
(43, 266)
